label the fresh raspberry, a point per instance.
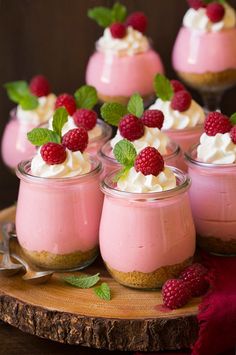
(85, 118)
(39, 86)
(181, 101)
(76, 139)
(215, 12)
(149, 162)
(175, 293)
(153, 118)
(118, 30)
(138, 21)
(131, 127)
(177, 85)
(67, 101)
(233, 134)
(196, 4)
(216, 122)
(195, 276)
(53, 153)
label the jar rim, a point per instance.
(187, 129)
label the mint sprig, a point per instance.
(163, 87)
(83, 281)
(103, 291)
(112, 112)
(125, 153)
(119, 12)
(60, 117)
(18, 92)
(86, 97)
(135, 105)
(233, 118)
(105, 16)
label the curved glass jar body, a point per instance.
(57, 219)
(213, 200)
(146, 238)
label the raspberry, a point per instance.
(215, 12)
(131, 127)
(216, 122)
(177, 85)
(181, 101)
(39, 86)
(196, 4)
(149, 162)
(53, 153)
(153, 118)
(195, 276)
(118, 30)
(233, 134)
(175, 293)
(67, 101)
(138, 21)
(85, 118)
(76, 139)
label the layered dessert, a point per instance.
(123, 62)
(212, 168)
(204, 53)
(138, 244)
(35, 106)
(59, 203)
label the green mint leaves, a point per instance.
(233, 119)
(60, 117)
(135, 105)
(119, 12)
(86, 97)
(105, 16)
(125, 153)
(103, 291)
(163, 87)
(84, 281)
(18, 92)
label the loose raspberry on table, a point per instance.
(196, 4)
(175, 293)
(233, 134)
(85, 118)
(67, 101)
(177, 85)
(149, 162)
(153, 118)
(39, 86)
(131, 127)
(76, 139)
(195, 276)
(216, 122)
(138, 21)
(118, 30)
(215, 12)
(53, 153)
(181, 101)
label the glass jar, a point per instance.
(146, 238)
(95, 143)
(57, 219)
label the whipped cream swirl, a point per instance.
(218, 149)
(198, 20)
(133, 43)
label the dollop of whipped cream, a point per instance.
(76, 163)
(198, 20)
(218, 149)
(135, 181)
(133, 43)
(41, 114)
(153, 137)
(179, 120)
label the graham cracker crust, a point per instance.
(150, 280)
(217, 246)
(123, 99)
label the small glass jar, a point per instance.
(146, 238)
(213, 200)
(57, 219)
(96, 143)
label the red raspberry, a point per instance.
(85, 118)
(175, 293)
(39, 86)
(177, 85)
(181, 101)
(53, 153)
(215, 12)
(118, 30)
(216, 122)
(195, 276)
(196, 4)
(153, 118)
(233, 134)
(131, 127)
(67, 101)
(138, 21)
(76, 139)
(149, 162)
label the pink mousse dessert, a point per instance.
(59, 203)
(204, 53)
(35, 106)
(147, 233)
(212, 168)
(122, 52)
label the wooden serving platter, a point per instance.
(132, 320)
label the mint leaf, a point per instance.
(125, 153)
(86, 97)
(122, 173)
(102, 15)
(163, 87)
(60, 117)
(16, 90)
(119, 12)
(103, 291)
(233, 119)
(84, 281)
(29, 102)
(112, 112)
(135, 105)
(40, 136)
